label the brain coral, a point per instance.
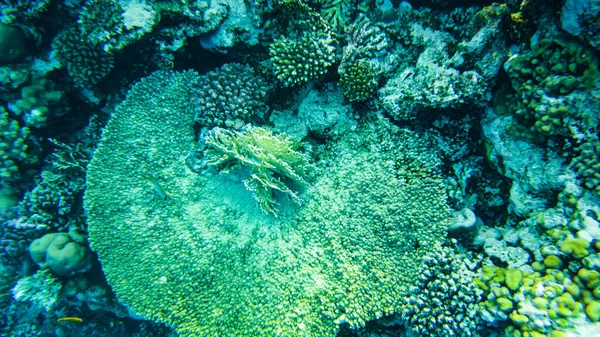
(193, 250)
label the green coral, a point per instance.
(542, 80)
(358, 81)
(272, 159)
(586, 163)
(207, 262)
(61, 253)
(307, 57)
(17, 147)
(86, 63)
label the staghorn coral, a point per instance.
(271, 158)
(231, 96)
(205, 261)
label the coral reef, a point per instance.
(386, 204)
(445, 292)
(56, 200)
(271, 158)
(302, 168)
(231, 96)
(86, 63)
(548, 83)
(441, 78)
(358, 69)
(580, 18)
(306, 57)
(18, 148)
(62, 253)
(41, 290)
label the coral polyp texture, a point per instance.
(203, 259)
(309, 168)
(231, 96)
(304, 58)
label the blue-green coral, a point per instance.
(207, 262)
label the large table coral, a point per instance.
(200, 256)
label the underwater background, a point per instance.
(300, 168)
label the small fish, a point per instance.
(69, 319)
(159, 190)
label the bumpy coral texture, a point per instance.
(296, 61)
(444, 302)
(231, 97)
(86, 63)
(586, 163)
(205, 248)
(17, 147)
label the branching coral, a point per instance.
(86, 63)
(272, 159)
(444, 302)
(17, 147)
(296, 61)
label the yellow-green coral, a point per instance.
(296, 61)
(358, 81)
(272, 159)
(577, 247)
(207, 262)
(541, 79)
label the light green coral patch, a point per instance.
(273, 159)
(207, 262)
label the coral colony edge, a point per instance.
(309, 168)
